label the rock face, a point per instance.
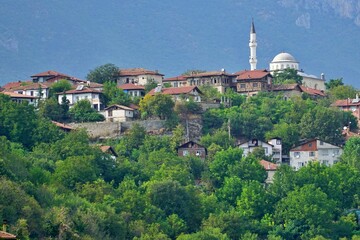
(193, 127)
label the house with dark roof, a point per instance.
(179, 93)
(250, 82)
(139, 76)
(295, 89)
(192, 148)
(133, 90)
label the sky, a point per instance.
(172, 37)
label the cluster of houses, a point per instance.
(132, 82)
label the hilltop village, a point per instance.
(133, 154)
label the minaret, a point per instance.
(252, 45)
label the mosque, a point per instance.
(282, 61)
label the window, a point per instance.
(110, 113)
(255, 84)
(297, 154)
(242, 85)
(311, 154)
(325, 162)
(310, 144)
(278, 141)
(325, 152)
(185, 152)
(321, 143)
(336, 152)
(300, 164)
(31, 93)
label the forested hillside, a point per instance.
(57, 185)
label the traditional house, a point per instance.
(179, 93)
(38, 90)
(250, 145)
(139, 76)
(179, 81)
(221, 80)
(80, 93)
(314, 150)
(192, 148)
(254, 81)
(16, 97)
(270, 170)
(118, 113)
(53, 76)
(287, 90)
(133, 90)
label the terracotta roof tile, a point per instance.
(251, 74)
(138, 71)
(268, 165)
(131, 86)
(178, 78)
(12, 85)
(176, 90)
(49, 74)
(208, 74)
(312, 91)
(6, 235)
(18, 95)
(85, 90)
(63, 125)
(345, 103)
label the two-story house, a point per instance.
(250, 82)
(221, 80)
(351, 105)
(133, 90)
(192, 148)
(53, 76)
(314, 150)
(80, 93)
(139, 76)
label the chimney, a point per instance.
(4, 225)
(322, 76)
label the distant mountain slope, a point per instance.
(172, 36)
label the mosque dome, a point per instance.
(284, 57)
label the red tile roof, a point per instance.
(85, 90)
(345, 103)
(119, 106)
(49, 73)
(176, 90)
(6, 235)
(12, 85)
(30, 86)
(269, 166)
(285, 87)
(208, 74)
(312, 91)
(131, 86)
(17, 95)
(107, 149)
(251, 74)
(178, 78)
(138, 71)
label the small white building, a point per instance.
(118, 113)
(80, 93)
(314, 150)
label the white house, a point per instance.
(80, 93)
(314, 150)
(28, 88)
(277, 149)
(118, 113)
(16, 97)
(250, 145)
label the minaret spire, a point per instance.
(252, 45)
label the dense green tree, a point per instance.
(60, 86)
(150, 85)
(115, 95)
(332, 83)
(342, 92)
(220, 138)
(83, 112)
(308, 209)
(351, 155)
(159, 105)
(50, 108)
(209, 93)
(104, 73)
(286, 76)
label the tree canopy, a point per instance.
(104, 73)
